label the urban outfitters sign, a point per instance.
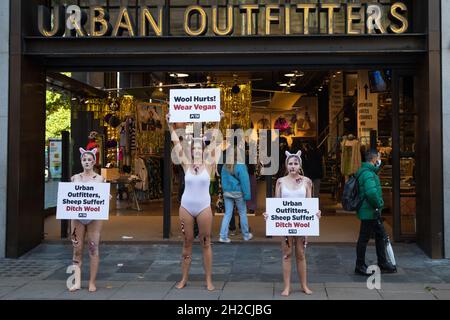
(71, 20)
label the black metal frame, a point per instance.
(397, 74)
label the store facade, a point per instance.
(408, 43)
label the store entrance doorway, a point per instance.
(321, 112)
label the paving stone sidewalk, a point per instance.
(241, 271)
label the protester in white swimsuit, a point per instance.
(294, 185)
(196, 200)
(89, 229)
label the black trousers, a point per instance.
(369, 228)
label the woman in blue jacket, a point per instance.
(236, 189)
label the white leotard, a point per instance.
(297, 193)
(196, 196)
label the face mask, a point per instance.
(378, 163)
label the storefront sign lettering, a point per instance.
(96, 22)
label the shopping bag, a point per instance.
(390, 252)
(388, 246)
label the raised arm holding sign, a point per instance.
(293, 213)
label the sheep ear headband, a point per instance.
(92, 152)
(298, 155)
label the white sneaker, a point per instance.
(227, 240)
(250, 237)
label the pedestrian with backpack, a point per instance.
(369, 212)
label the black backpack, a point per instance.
(351, 199)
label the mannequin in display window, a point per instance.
(80, 229)
(93, 145)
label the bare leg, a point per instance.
(93, 236)
(78, 231)
(187, 227)
(301, 263)
(286, 249)
(204, 221)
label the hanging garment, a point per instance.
(350, 157)
(141, 172)
(132, 133)
(154, 169)
(123, 134)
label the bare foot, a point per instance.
(181, 284)
(285, 292)
(210, 287)
(92, 287)
(306, 290)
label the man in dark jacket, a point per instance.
(370, 215)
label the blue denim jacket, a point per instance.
(239, 182)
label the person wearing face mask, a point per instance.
(87, 228)
(370, 215)
(294, 185)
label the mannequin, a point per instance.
(93, 144)
(89, 228)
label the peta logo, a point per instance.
(195, 116)
(374, 281)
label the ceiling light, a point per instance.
(179, 75)
(295, 74)
(283, 84)
(339, 72)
